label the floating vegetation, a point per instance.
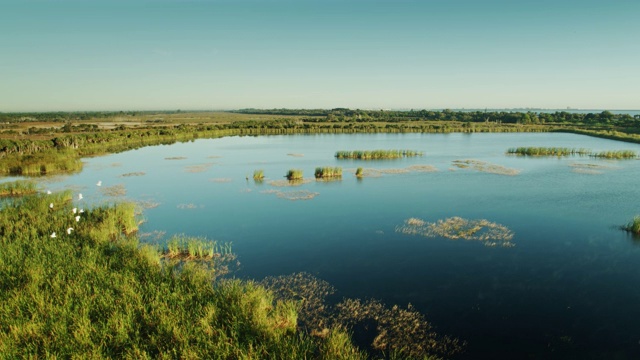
(486, 167)
(292, 195)
(189, 206)
(618, 154)
(295, 155)
(294, 174)
(389, 330)
(485, 231)
(548, 151)
(422, 168)
(359, 172)
(285, 183)
(147, 204)
(376, 154)
(154, 235)
(115, 190)
(214, 157)
(221, 180)
(175, 158)
(591, 169)
(328, 172)
(198, 168)
(633, 226)
(258, 175)
(137, 173)
(18, 188)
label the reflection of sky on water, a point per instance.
(569, 284)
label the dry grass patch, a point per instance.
(137, 173)
(114, 190)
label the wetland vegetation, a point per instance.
(454, 228)
(547, 151)
(376, 154)
(294, 174)
(328, 172)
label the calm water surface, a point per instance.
(569, 288)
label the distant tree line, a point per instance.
(506, 117)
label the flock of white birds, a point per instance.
(74, 210)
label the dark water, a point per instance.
(569, 288)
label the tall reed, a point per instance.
(376, 154)
(294, 174)
(328, 172)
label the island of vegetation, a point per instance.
(328, 172)
(560, 152)
(376, 154)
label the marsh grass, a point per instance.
(617, 155)
(289, 183)
(97, 293)
(633, 226)
(359, 172)
(49, 162)
(18, 188)
(548, 151)
(198, 168)
(328, 172)
(454, 228)
(294, 174)
(196, 248)
(258, 175)
(376, 154)
(485, 167)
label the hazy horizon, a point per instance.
(139, 55)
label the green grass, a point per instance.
(294, 174)
(548, 151)
(376, 154)
(633, 226)
(95, 292)
(328, 172)
(359, 172)
(18, 188)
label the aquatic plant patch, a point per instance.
(189, 206)
(295, 155)
(486, 167)
(137, 173)
(176, 158)
(286, 183)
(376, 154)
(198, 168)
(454, 228)
(292, 195)
(221, 180)
(114, 190)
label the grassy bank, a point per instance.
(88, 288)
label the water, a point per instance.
(569, 288)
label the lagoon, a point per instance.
(568, 288)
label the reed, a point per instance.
(18, 188)
(633, 226)
(618, 154)
(359, 172)
(548, 151)
(328, 172)
(376, 154)
(258, 175)
(294, 174)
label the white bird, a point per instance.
(80, 196)
(99, 183)
(74, 210)
(48, 192)
(81, 211)
(51, 206)
(69, 230)
(77, 218)
(53, 234)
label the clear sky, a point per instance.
(62, 55)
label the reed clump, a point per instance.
(294, 174)
(617, 155)
(359, 172)
(376, 154)
(258, 175)
(548, 151)
(328, 172)
(18, 188)
(633, 226)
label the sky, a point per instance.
(63, 55)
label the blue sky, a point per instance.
(62, 55)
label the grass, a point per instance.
(258, 175)
(95, 292)
(18, 188)
(359, 172)
(328, 172)
(454, 228)
(618, 154)
(633, 226)
(376, 154)
(559, 151)
(548, 151)
(294, 174)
